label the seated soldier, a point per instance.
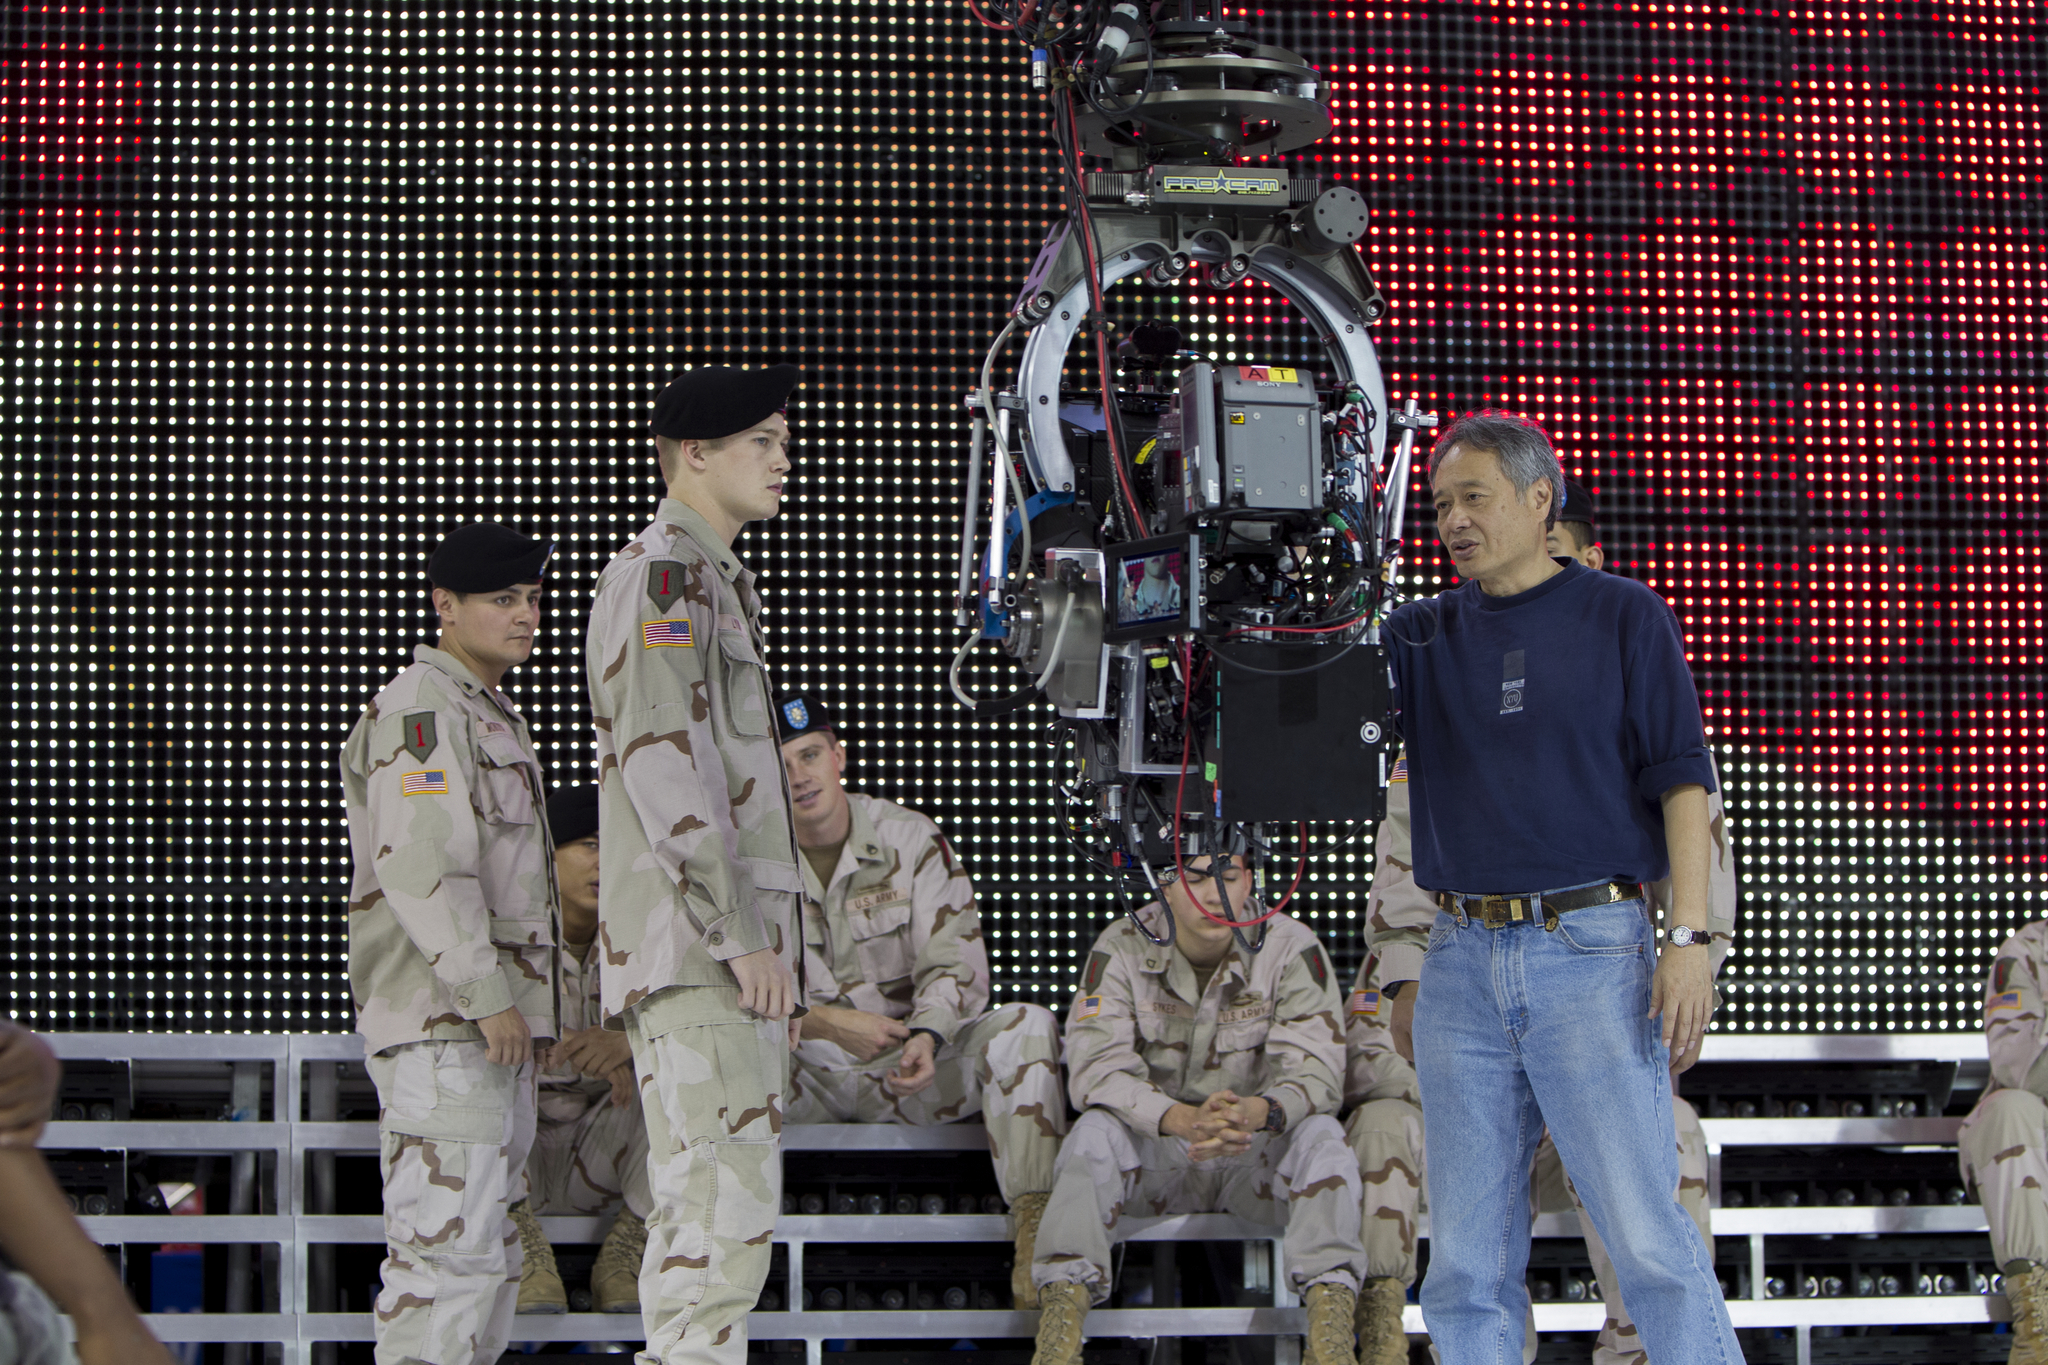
(899, 1029)
(1207, 1076)
(590, 1142)
(2003, 1147)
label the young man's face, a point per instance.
(745, 475)
(576, 874)
(815, 764)
(1229, 886)
(1563, 543)
(1483, 524)
(494, 628)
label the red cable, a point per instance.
(1102, 367)
(1179, 790)
(976, 10)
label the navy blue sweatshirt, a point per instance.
(1542, 731)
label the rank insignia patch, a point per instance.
(1088, 1007)
(666, 635)
(1365, 1002)
(2008, 1001)
(420, 738)
(433, 782)
(664, 583)
(1317, 968)
(1097, 964)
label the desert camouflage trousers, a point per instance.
(590, 1163)
(1618, 1342)
(1386, 1138)
(1003, 1065)
(2001, 1151)
(712, 1080)
(1304, 1178)
(454, 1130)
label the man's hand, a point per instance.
(29, 1076)
(623, 1084)
(507, 1040)
(916, 1070)
(125, 1341)
(1681, 1062)
(867, 1036)
(1683, 992)
(1403, 1024)
(767, 986)
(592, 1052)
(1225, 1124)
(796, 1030)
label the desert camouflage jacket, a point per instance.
(697, 858)
(1373, 1069)
(452, 910)
(1140, 1038)
(2013, 1015)
(895, 932)
(1399, 913)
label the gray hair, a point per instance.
(1522, 447)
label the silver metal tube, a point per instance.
(969, 607)
(1397, 478)
(998, 507)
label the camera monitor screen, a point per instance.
(1152, 589)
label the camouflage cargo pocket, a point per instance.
(721, 1082)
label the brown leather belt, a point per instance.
(1498, 912)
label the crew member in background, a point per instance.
(2003, 1146)
(899, 1029)
(1544, 998)
(452, 927)
(698, 898)
(1207, 1078)
(590, 1145)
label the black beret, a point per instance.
(797, 715)
(716, 401)
(1578, 505)
(572, 814)
(485, 558)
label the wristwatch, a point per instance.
(1683, 936)
(1276, 1117)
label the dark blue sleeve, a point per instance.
(1667, 739)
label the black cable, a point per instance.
(1220, 657)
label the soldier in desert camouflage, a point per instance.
(452, 959)
(1207, 1077)
(899, 1029)
(590, 1143)
(1385, 1122)
(2003, 1148)
(699, 887)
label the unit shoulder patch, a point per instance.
(665, 581)
(1098, 963)
(2001, 974)
(1312, 956)
(420, 736)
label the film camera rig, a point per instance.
(1193, 574)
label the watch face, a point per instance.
(1683, 936)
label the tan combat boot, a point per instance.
(1380, 1338)
(2026, 1289)
(540, 1283)
(1062, 1308)
(1331, 1308)
(615, 1279)
(1025, 1212)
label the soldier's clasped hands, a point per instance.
(1222, 1125)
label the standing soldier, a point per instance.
(452, 926)
(590, 1145)
(2003, 1147)
(1206, 1076)
(698, 895)
(899, 1029)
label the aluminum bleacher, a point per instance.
(281, 1136)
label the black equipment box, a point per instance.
(1305, 738)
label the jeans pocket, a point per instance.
(1618, 929)
(1440, 933)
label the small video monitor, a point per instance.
(1154, 588)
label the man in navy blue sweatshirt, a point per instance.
(1556, 763)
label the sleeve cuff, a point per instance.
(1692, 766)
(485, 996)
(1293, 1104)
(737, 934)
(1148, 1109)
(1400, 962)
(941, 1024)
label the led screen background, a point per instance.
(290, 291)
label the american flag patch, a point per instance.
(1365, 1002)
(666, 634)
(1400, 773)
(2009, 1001)
(1088, 1007)
(433, 782)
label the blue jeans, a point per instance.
(1521, 1027)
